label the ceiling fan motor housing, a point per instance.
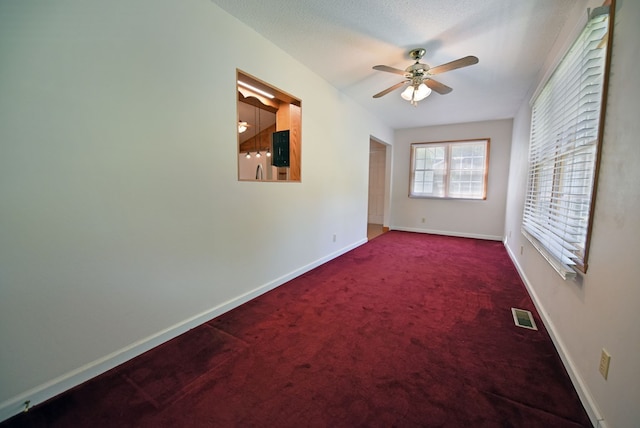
(417, 69)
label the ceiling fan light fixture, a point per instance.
(407, 94)
(242, 126)
(422, 92)
(415, 93)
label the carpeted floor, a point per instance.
(407, 330)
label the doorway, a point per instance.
(377, 219)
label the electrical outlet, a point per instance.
(424, 219)
(334, 237)
(521, 249)
(605, 359)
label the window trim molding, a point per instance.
(611, 5)
(412, 171)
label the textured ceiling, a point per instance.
(341, 40)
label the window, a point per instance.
(454, 169)
(566, 134)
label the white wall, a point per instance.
(122, 222)
(598, 309)
(480, 219)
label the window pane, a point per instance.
(438, 185)
(457, 169)
(478, 162)
(467, 166)
(456, 162)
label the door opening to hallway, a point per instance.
(377, 192)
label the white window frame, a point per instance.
(566, 136)
(440, 170)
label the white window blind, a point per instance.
(563, 151)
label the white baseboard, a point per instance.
(578, 383)
(448, 233)
(82, 374)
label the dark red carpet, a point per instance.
(407, 330)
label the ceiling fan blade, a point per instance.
(389, 69)
(459, 63)
(440, 88)
(386, 91)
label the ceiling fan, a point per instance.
(418, 77)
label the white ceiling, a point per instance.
(341, 40)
